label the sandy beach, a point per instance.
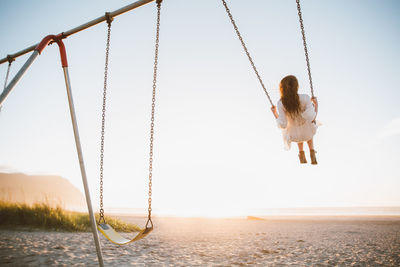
(277, 241)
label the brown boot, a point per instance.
(302, 157)
(313, 157)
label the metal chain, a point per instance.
(246, 51)
(305, 46)
(8, 72)
(103, 119)
(153, 106)
(10, 61)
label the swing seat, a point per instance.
(116, 238)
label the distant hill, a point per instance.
(29, 189)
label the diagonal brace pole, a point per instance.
(7, 90)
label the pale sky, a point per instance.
(217, 147)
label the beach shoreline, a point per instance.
(300, 241)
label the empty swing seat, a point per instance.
(103, 227)
(116, 238)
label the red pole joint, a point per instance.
(63, 52)
(57, 39)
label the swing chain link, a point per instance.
(103, 117)
(8, 72)
(153, 105)
(10, 61)
(246, 50)
(305, 46)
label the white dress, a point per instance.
(300, 129)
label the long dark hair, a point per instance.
(289, 96)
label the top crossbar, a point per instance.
(81, 27)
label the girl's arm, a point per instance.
(273, 109)
(315, 102)
(280, 115)
(310, 112)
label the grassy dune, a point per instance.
(43, 216)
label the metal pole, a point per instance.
(82, 166)
(83, 26)
(17, 77)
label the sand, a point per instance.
(303, 241)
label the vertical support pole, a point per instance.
(82, 167)
(18, 76)
(39, 48)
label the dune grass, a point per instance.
(43, 216)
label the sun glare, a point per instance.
(204, 213)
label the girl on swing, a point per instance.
(295, 115)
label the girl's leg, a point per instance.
(300, 145)
(310, 144)
(302, 156)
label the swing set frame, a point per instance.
(58, 39)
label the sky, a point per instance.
(217, 149)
